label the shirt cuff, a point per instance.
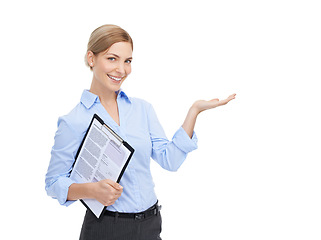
(61, 188)
(184, 142)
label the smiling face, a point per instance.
(111, 67)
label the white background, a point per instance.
(256, 174)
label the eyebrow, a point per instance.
(117, 55)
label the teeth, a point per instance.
(115, 78)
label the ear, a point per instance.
(90, 58)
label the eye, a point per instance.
(111, 59)
(128, 61)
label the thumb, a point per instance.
(114, 184)
(119, 187)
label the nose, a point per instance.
(120, 69)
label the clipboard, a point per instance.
(102, 154)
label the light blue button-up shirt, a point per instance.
(140, 127)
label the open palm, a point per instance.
(202, 105)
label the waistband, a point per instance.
(152, 211)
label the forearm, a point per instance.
(80, 191)
(190, 121)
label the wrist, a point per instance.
(194, 110)
(90, 190)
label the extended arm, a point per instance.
(197, 108)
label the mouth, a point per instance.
(116, 79)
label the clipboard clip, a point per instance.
(119, 139)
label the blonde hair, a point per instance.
(104, 37)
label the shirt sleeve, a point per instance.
(170, 155)
(62, 159)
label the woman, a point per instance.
(132, 211)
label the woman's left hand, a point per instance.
(198, 107)
(202, 105)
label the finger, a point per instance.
(223, 102)
(119, 187)
(117, 195)
(231, 97)
(113, 184)
(117, 192)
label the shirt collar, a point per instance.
(122, 94)
(88, 99)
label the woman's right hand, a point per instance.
(107, 191)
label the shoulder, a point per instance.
(134, 101)
(142, 106)
(76, 121)
(138, 102)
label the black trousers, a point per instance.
(117, 228)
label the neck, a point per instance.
(105, 95)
